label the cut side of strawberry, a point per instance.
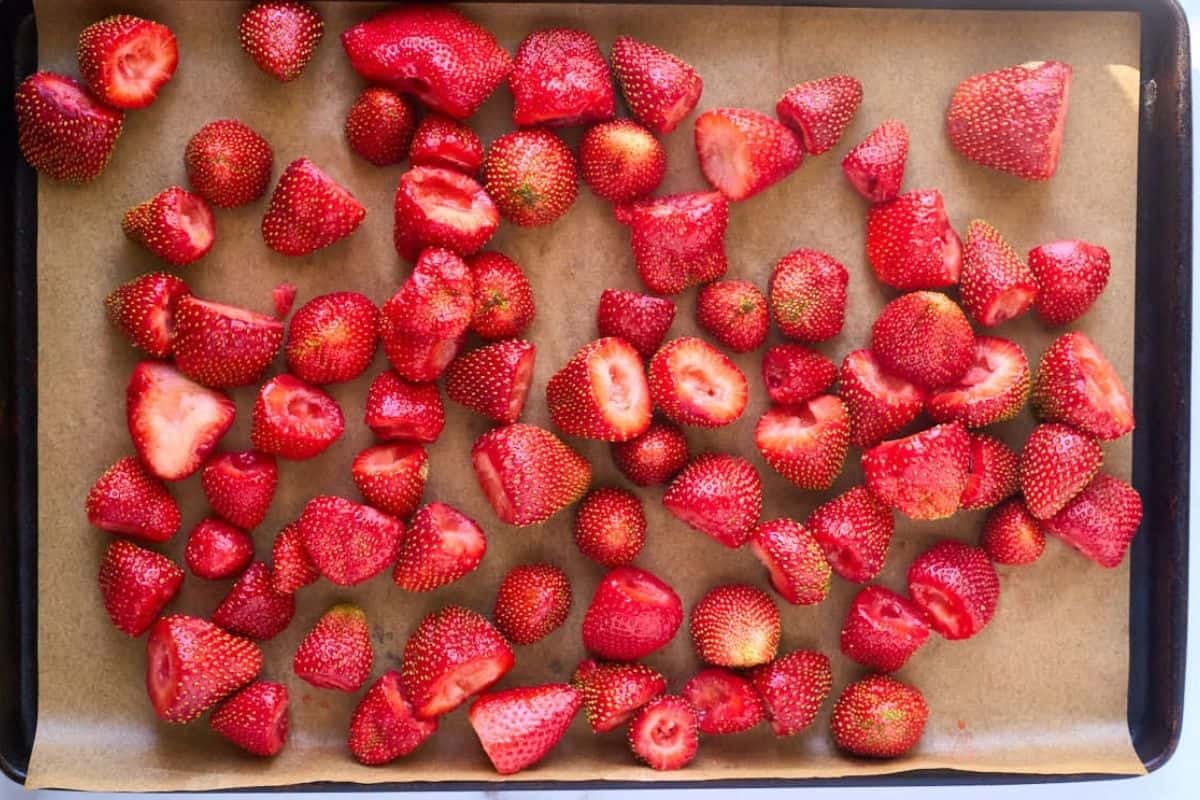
(805, 443)
(174, 422)
(295, 420)
(665, 734)
(882, 629)
(601, 393)
(725, 702)
(1077, 385)
(693, 383)
(956, 586)
(993, 389)
(442, 544)
(127, 67)
(443, 208)
(392, 476)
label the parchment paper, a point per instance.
(1042, 689)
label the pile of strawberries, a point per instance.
(925, 361)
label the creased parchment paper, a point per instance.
(1042, 689)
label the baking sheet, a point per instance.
(1041, 690)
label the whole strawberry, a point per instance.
(560, 78)
(135, 585)
(347, 542)
(126, 59)
(228, 163)
(504, 305)
(654, 457)
(878, 717)
(659, 88)
(332, 338)
(308, 211)
(735, 313)
(1011, 535)
(216, 549)
(531, 176)
(337, 652)
(808, 295)
(621, 161)
(1057, 462)
(610, 526)
(735, 626)
(820, 110)
(281, 35)
(380, 125)
(792, 688)
(532, 601)
(1071, 275)
(923, 337)
(742, 151)
(144, 310)
(175, 225)
(63, 131)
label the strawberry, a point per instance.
(1057, 462)
(735, 313)
(560, 78)
(1011, 535)
(438, 207)
(384, 726)
(443, 142)
(432, 52)
(380, 126)
(654, 457)
(854, 529)
(724, 701)
(879, 404)
(332, 338)
(452, 654)
(191, 665)
(640, 319)
(1071, 274)
(174, 423)
(993, 389)
(1077, 385)
(281, 35)
(631, 615)
(910, 243)
(240, 486)
(621, 161)
(144, 310)
(531, 176)
(719, 495)
(253, 608)
(391, 477)
(291, 568)
(601, 393)
(435, 302)
(922, 476)
(519, 727)
(504, 304)
(128, 500)
(125, 59)
(283, 296)
(255, 719)
(63, 131)
(228, 163)
(792, 688)
(878, 717)
(1012, 119)
(215, 549)
(924, 337)
(678, 240)
(694, 383)
(992, 476)
(735, 626)
(995, 285)
(337, 652)
(219, 345)
(136, 584)
(665, 733)
(347, 542)
(875, 166)
(399, 410)
(532, 601)
(1101, 521)
(821, 110)
(805, 443)
(175, 225)
(956, 586)
(612, 693)
(309, 210)
(610, 526)
(660, 89)
(795, 562)
(527, 473)
(442, 544)
(742, 151)
(793, 373)
(882, 629)
(808, 295)
(294, 420)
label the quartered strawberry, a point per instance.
(808, 295)
(531, 176)
(922, 476)
(678, 241)
(493, 380)
(854, 529)
(632, 614)
(807, 442)
(253, 608)
(174, 423)
(665, 733)
(735, 626)
(792, 688)
(504, 304)
(742, 151)
(452, 654)
(337, 652)
(924, 337)
(910, 243)
(1012, 119)
(993, 389)
(332, 338)
(255, 719)
(1101, 521)
(724, 701)
(1070, 274)
(442, 544)
(612, 693)
(794, 560)
(438, 207)
(130, 501)
(443, 142)
(228, 163)
(1057, 462)
(309, 210)
(532, 601)
(694, 383)
(221, 345)
(734, 313)
(64, 132)
(1011, 535)
(519, 727)
(993, 473)
(610, 526)
(601, 393)
(956, 586)
(175, 225)
(294, 420)
(391, 476)
(821, 110)
(882, 629)
(435, 302)
(291, 568)
(527, 473)
(875, 166)
(640, 319)
(125, 60)
(283, 297)
(995, 285)
(878, 717)
(793, 373)
(380, 126)
(384, 726)
(879, 404)
(660, 89)
(621, 161)
(400, 410)
(1077, 385)
(281, 35)
(135, 585)
(719, 495)
(560, 78)
(191, 665)
(144, 310)
(348, 542)
(215, 549)
(654, 457)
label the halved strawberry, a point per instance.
(665, 733)
(923, 475)
(452, 654)
(436, 301)
(255, 719)
(601, 393)
(443, 142)
(925, 338)
(612, 693)
(993, 389)
(191, 665)
(228, 163)
(519, 727)
(742, 151)
(215, 549)
(220, 345)
(174, 422)
(379, 126)
(175, 225)
(719, 495)
(240, 486)
(294, 420)
(794, 560)
(995, 285)
(693, 383)
(398, 409)
(504, 304)
(808, 295)
(253, 608)
(560, 78)
(1071, 274)
(820, 110)
(610, 526)
(793, 687)
(735, 313)
(144, 310)
(442, 544)
(1011, 535)
(332, 338)
(527, 473)
(291, 568)
(392, 476)
(879, 404)
(654, 457)
(854, 529)
(532, 601)
(1101, 521)
(126, 59)
(956, 586)
(309, 210)
(64, 132)
(493, 380)
(735, 626)
(678, 240)
(281, 35)
(621, 161)
(875, 166)
(128, 500)
(882, 629)
(805, 443)
(910, 243)
(384, 726)
(1077, 385)
(878, 717)
(531, 175)
(1057, 462)
(437, 207)
(993, 473)
(793, 373)
(135, 585)
(632, 614)
(724, 701)
(660, 89)
(640, 319)
(337, 652)
(348, 542)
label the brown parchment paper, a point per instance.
(1042, 689)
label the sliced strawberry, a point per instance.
(175, 225)
(621, 161)
(527, 473)
(532, 601)
(215, 549)
(956, 586)
(347, 542)
(882, 629)
(253, 608)
(632, 614)
(1101, 521)
(1057, 462)
(719, 495)
(996, 285)
(144, 310)
(678, 240)
(1078, 386)
(220, 345)
(64, 132)
(519, 727)
(601, 393)
(793, 687)
(742, 151)
(875, 166)
(281, 35)
(309, 210)
(228, 163)
(878, 717)
(808, 295)
(174, 422)
(435, 302)
(879, 404)
(993, 473)
(255, 719)
(854, 529)
(392, 476)
(910, 243)
(724, 701)
(284, 297)
(135, 585)
(794, 560)
(1071, 275)
(660, 89)
(610, 526)
(640, 319)
(923, 475)
(654, 457)
(665, 733)
(504, 304)
(384, 726)
(437, 207)
(735, 313)
(240, 486)
(398, 409)
(126, 59)
(793, 373)
(191, 665)
(735, 626)
(452, 654)
(612, 693)
(924, 337)
(443, 142)
(294, 420)
(560, 78)
(442, 544)
(693, 383)
(332, 338)
(128, 500)
(531, 175)
(291, 568)
(380, 125)
(820, 110)
(337, 652)
(805, 443)
(1011, 535)
(993, 389)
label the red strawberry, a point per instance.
(654, 457)
(397, 409)
(882, 629)
(735, 626)
(392, 476)
(820, 110)
(1101, 521)
(612, 693)
(665, 733)
(255, 719)
(621, 161)
(631, 615)
(910, 243)
(144, 310)
(1057, 462)
(610, 526)
(808, 295)
(215, 549)
(228, 163)
(384, 726)
(128, 500)
(659, 88)
(291, 568)
(438, 207)
(332, 338)
(1012, 119)
(1071, 274)
(719, 495)
(735, 313)
(380, 126)
(281, 35)
(742, 151)
(992, 476)
(925, 338)
(993, 389)
(694, 383)
(504, 304)
(432, 52)
(283, 296)
(64, 132)
(875, 166)
(601, 393)
(253, 608)
(294, 420)
(452, 654)
(995, 285)
(1077, 385)
(175, 225)
(640, 319)
(922, 476)
(125, 59)
(174, 423)
(878, 717)
(309, 210)
(435, 302)
(527, 473)
(532, 601)
(795, 562)
(191, 665)
(854, 529)
(442, 545)
(443, 142)
(348, 542)
(220, 345)
(956, 586)
(792, 688)
(879, 404)
(678, 240)
(136, 584)
(519, 727)
(531, 176)
(560, 78)
(793, 373)
(240, 486)
(337, 652)
(805, 443)
(1011, 535)
(724, 701)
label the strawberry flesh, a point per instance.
(438, 207)
(693, 383)
(126, 60)
(174, 422)
(724, 701)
